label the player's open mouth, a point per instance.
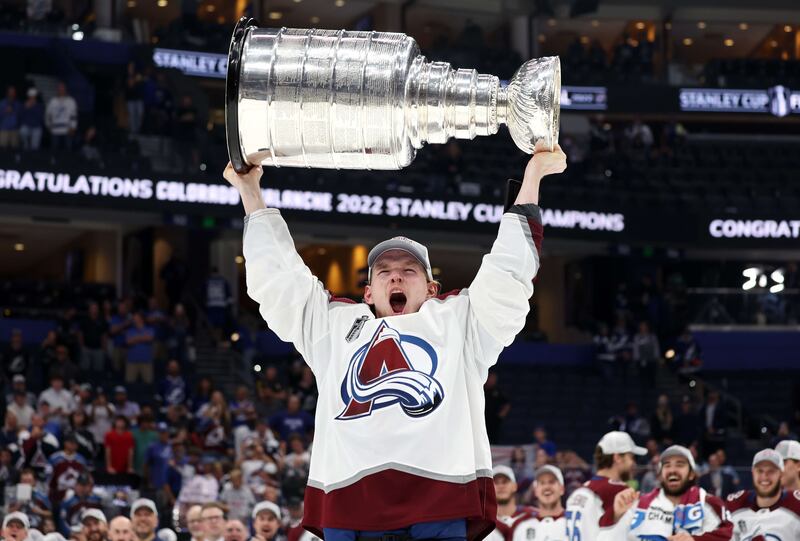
(397, 301)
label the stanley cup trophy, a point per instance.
(368, 100)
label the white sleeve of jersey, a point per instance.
(583, 513)
(291, 300)
(500, 291)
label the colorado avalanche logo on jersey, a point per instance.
(392, 368)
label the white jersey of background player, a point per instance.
(546, 522)
(765, 513)
(790, 451)
(508, 512)
(678, 510)
(595, 509)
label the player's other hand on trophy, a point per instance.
(545, 162)
(249, 180)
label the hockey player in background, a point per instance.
(679, 510)
(400, 445)
(766, 513)
(546, 522)
(594, 510)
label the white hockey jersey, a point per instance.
(780, 522)
(698, 513)
(400, 436)
(590, 511)
(535, 527)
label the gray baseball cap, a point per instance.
(680, 451)
(266, 505)
(504, 470)
(769, 455)
(405, 244)
(549, 468)
(19, 517)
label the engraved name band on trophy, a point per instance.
(368, 100)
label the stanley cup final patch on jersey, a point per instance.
(355, 330)
(392, 369)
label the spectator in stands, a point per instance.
(127, 408)
(186, 125)
(173, 389)
(83, 497)
(714, 419)
(19, 383)
(306, 389)
(292, 419)
(213, 515)
(118, 326)
(235, 530)
(605, 354)
(687, 424)
(650, 479)
(23, 412)
(66, 465)
(79, 429)
(120, 529)
(61, 118)
(519, 464)
(639, 135)
(63, 366)
(218, 301)
(15, 527)
(203, 393)
(90, 150)
(134, 98)
(716, 481)
(194, 523)
(662, 422)
(93, 338)
(237, 497)
(31, 121)
(497, 407)
(139, 341)
(202, 487)
(576, 470)
(144, 518)
(15, 358)
(38, 507)
(271, 393)
(156, 460)
(144, 435)
(784, 433)
(101, 415)
(36, 445)
(542, 442)
(119, 444)
(646, 353)
(178, 331)
(10, 110)
(240, 406)
(296, 466)
(266, 520)
(60, 400)
(631, 422)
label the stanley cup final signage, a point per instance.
(777, 100)
(369, 100)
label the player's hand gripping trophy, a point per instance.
(368, 100)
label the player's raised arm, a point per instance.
(500, 292)
(291, 300)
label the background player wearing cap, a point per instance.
(679, 510)
(94, 525)
(401, 438)
(594, 510)
(144, 519)
(15, 527)
(508, 512)
(547, 522)
(790, 451)
(766, 513)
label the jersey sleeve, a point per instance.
(583, 515)
(291, 300)
(723, 530)
(500, 291)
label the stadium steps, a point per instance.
(222, 365)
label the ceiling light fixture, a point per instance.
(701, 25)
(314, 20)
(338, 3)
(551, 22)
(595, 23)
(787, 28)
(687, 41)
(728, 42)
(275, 15)
(743, 26)
(640, 26)
(162, 3)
